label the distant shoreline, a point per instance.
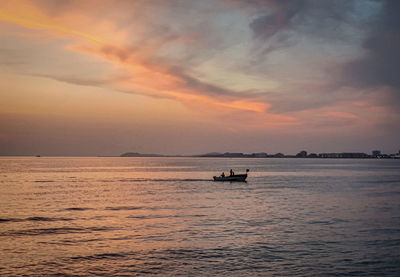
(302, 154)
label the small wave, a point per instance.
(39, 218)
(320, 222)
(195, 180)
(34, 218)
(102, 256)
(152, 216)
(43, 231)
(55, 231)
(44, 181)
(164, 180)
(77, 209)
(158, 216)
(229, 260)
(327, 222)
(2, 220)
(381, 230)
(121, 208)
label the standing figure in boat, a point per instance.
(232, 177)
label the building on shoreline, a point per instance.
(344, 155)
(376, 154)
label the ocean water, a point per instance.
(165, 217)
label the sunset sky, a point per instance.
(104, 77)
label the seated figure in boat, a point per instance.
(232, 173)
(223, 174)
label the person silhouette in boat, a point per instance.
(223, 174)
(232, 173)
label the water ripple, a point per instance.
(122, 208)
(35, 218)
(77, 209)
(55, 231)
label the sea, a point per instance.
(112, 216)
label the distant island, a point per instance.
(376, 154)
(135, 154)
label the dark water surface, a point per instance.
(163, 216)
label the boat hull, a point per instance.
(234, 178)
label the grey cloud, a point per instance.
(100, 83)
(10, 57)
(378, 69)
(283, 23)
(189, 82)
(268, 24)
(381, 64)
(205, 88)
(124, 53)
(264, 25)
(329, 122)
(55, 7)
(279, 22)
(74, 80)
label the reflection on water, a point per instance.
(164, 216)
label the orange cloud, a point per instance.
(28, 17)
(148, 77)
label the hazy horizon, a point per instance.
(116, 155)
(90, 78)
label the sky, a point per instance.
(104, 77)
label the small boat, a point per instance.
(232, 178)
